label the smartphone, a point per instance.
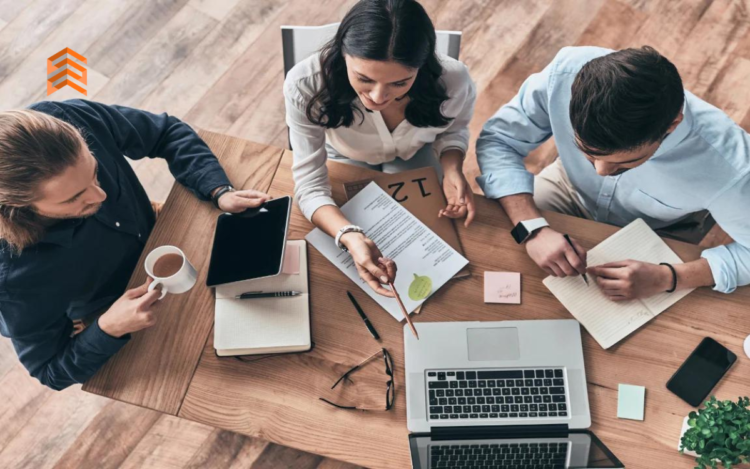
(702, 370)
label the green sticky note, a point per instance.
(420, 287)
(631, 401)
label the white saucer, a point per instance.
(747, 346)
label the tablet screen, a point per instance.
(249, 245)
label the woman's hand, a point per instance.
(373, 268)
(239, 201)
(457, 191)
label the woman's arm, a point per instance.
(313, 191)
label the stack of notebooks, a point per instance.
(266, 325)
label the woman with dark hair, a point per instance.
(378, 95)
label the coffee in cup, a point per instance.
(171, 270)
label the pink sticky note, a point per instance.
(291, 260)
(502, 287)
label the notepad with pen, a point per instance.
(266, 325)
(611, 321)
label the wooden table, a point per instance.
(172, 367)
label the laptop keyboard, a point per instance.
(506, 456)
(496, 394)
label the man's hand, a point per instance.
(132, 312)
(239, 201)
(372, 267)
(627, 280)
(551, 251)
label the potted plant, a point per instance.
(718, 434)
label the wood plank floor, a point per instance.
(217, 64)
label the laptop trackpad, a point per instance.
(497, 343)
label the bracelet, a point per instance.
(344, 230)
(674, 277)
(219, 193)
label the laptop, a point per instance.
(506, 394)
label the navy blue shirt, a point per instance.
(82, 266)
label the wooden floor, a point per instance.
(217, 64)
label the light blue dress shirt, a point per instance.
(703, 164)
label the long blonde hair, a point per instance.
(33, 148)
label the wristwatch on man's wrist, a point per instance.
(221, 191)
(524, 229)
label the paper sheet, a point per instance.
(606, 320)
(425, 262)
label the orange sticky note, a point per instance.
(502, 287)
(291, 260)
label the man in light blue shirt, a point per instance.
(632, 144)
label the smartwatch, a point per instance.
(526, 228)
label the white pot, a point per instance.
(685, 427)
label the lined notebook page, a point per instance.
(609, 321)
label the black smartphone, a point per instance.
(702, 370)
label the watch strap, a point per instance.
(534, 224)
(524, 229)
(222, 190)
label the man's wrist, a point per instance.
(536, 232)
(219, 192)
(669, 278)
(109, 329)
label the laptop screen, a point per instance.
(574, 450)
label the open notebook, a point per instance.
(265, 325)
(609, 321)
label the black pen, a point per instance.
(364, 317)
(567, 238)
(260, 294)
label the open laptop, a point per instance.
(506, 394)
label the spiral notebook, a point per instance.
(610, 321)
(266, 325)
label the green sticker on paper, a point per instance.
(420, 287)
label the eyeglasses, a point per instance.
(390, 390)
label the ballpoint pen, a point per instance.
(260, 294)
(364, 317)
(567, 238)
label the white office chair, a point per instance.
(300, 42)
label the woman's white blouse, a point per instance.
(365, 140)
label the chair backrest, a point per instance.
(300, 42)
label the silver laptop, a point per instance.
(500, 394)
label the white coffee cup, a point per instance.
(179, 282)
(747, 346)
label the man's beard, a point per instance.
(51, 219)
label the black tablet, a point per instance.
(251, 244)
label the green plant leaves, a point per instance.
(719, 433)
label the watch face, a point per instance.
(520, 233)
